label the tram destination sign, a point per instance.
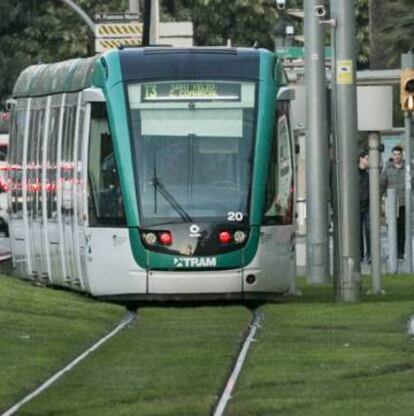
(190, 91)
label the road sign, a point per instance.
(115, 29)
(118, 30)
(298, 52)
(102, 45)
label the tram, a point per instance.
(155, 174)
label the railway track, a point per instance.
(127, 320)
(226, 394)
(229, 383)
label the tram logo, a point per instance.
(195, 231)
(195, 261)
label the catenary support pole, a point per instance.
(407, 62)
(348, 284)
(133, 6)
(317, 166)
(146, 24)
(155, 19)
(408, 151)
(391, 214)
(375, 211)
(334, 165)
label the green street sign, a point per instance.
(298, 52)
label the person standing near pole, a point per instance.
(365, 225)
(393, 176)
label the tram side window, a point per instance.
(106, 206)
(51, 167)
(279, 190)
(67, 168)
(16, 169)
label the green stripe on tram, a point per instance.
(117, 110)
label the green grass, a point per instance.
(41, 330)
(314, 357)
(172, 361)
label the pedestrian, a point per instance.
(365, 227)
(393, 177)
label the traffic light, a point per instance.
(407, 90)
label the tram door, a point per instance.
(51, 184)
(276, 247)
(111, 266)
(18, 225)
(86, 122)
(79, 213)
(66, 187)
(33, 187)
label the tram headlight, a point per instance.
(150, 238)
(239, 236)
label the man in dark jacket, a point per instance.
(365, 228)
(393, 177)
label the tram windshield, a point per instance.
(193, 144)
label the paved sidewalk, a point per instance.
(365, 268)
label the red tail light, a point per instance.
(224, 237)
(166, 238)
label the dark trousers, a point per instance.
(401, 232)
(365, 235)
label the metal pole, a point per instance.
(82, 14)
(317, 168)
(133, 6)
(155, 19)
(334, 178)
(348, 285)
(374, 210)
(391, 213)
(407, 62)
(408, 237)
(146, 23)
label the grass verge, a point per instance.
(172, 361)
(42, 330)
(314, 357)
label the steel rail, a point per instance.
(128, 319)
(231, 381)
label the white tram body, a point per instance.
(78, 203)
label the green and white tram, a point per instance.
(155, 173)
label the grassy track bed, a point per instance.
(171, 361)
(314, 357)
(41, 330)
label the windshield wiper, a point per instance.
(158, 185)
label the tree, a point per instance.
(398, 30)
(363, 38)
(43, 31)
(377, 16)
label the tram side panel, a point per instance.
(33, 187)
(66, 183)
(274, 264)
(21, 118)
(52, 226)
(111, 268)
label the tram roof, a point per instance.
(45, 79)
